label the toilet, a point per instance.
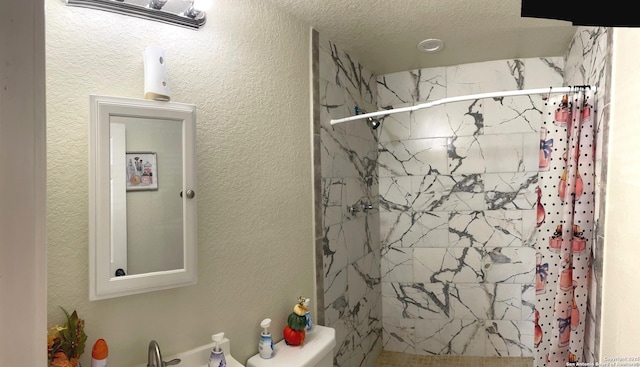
(316, 351)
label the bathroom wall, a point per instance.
(349, 241)
(457, 192)
(23, 312)
(620, 325)
(254, 180)
(588, 62)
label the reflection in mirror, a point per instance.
(146, 214)
(142, 229)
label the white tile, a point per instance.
(448, 193)
(531, 150)
(344, 344)
(415, 301)
(355, 236)
(491, 228)
(484, 77)
(466, 118)
(529, 227)
(509, 338)
(398, 335)
(397, 264)
(507, 302)
(509, 115)
(465, 155)
(502, 153)
(332, 99)
(364, 290)
(528, 302)
(460, 265)
(327, 65)
(334, 154)
(434, 183)
(510, 265)
(332, 198)
(511, 190)
(412, 157)
(411, 86)
(396, 88)
(393, 227)
(363, 276)
(335, 250)
(436, 193)
(431, 122)
(470, 301)
(433, 301)
(396, 301)
(369, 89)
(396, 126)
(344, 155)
(335, 297)
(465, 337)
(396, 193)
(428, 339)
(543, 72)
(429, 229)
(414, 229)
(463, 201)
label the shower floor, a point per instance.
(396, 359)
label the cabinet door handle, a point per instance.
(190, 194)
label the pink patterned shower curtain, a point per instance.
(565, 213)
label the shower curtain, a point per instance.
(565, 212)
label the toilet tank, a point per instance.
(316, 351)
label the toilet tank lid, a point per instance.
(316, 345)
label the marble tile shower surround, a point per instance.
(457, 186)
(350, 239)
(473, 212)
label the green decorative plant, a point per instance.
(66, 344)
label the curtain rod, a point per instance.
(464, 98)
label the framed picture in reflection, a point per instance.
(142, 171)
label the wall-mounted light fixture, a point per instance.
(178, 12)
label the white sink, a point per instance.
(199, 357)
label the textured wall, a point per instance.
(247, 72)
(457, 224)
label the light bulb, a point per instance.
(202, 5)
(157, 4)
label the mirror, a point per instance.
(142, 207)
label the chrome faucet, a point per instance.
(155, 357)
(360, 206)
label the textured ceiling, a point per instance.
(383, 35)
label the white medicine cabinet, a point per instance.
(142, 206)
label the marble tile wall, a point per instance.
(457, 186)
(348, 245)
(588, 62)
(450, 270)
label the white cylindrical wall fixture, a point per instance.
(156, 80)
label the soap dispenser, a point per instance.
(265, 345)
(216, 359)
